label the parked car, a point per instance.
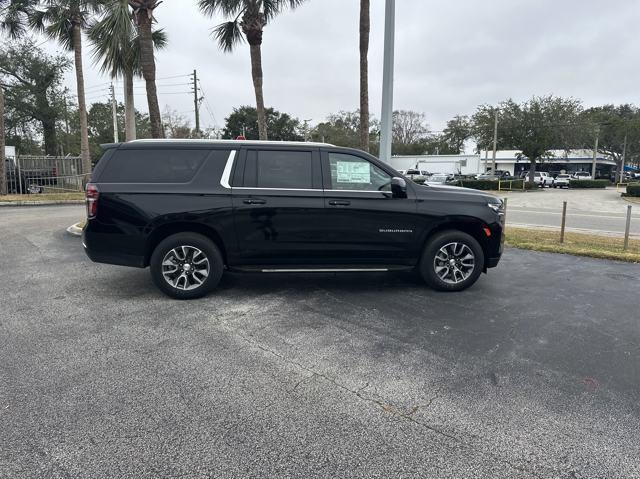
(561, 181)
(191, 210)
(416, 175)
(438, 178)
(540, 178)
(27, 180)
(582, 175)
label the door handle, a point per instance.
(254, 202)
(339, 203)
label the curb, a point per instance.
(40, 203)
(75, 230)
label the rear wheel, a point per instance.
(452, 261)
(186, 266)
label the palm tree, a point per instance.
(14, 15)
(64, 21)
(116, 44)
(143, 18)
(249, 17)
(365, 29)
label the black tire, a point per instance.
(192, 242)
(428, 264)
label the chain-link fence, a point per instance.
(43, 174)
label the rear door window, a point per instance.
(153, 166)
(275, 169)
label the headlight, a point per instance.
(497, 207)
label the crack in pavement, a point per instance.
(385, 405)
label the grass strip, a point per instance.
(577, 244)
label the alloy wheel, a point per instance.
(185, 268)
(454, 263)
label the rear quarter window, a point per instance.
(153, 166)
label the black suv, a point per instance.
(191, 209)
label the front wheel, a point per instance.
(452, 261)
(186, 266)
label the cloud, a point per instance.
(450, 56)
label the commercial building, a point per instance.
(508, 160)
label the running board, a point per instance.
(316, 269)
(328, 270)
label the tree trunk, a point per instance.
(3, 173)
(256, 73)
(532, 172)
(148, 66)
(82, 105)
(129, 108)
(50, 137)
(365, 28)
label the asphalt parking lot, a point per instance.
(599, 211)
(534, 372)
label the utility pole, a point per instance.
(3, 173)
(114, 109)
(196, 102)
(624, 159)
(495, 143)
(386, 137)
(595, 154)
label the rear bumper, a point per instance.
(97, 248)
(492, 262)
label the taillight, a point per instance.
(91, 196)
(55, 171)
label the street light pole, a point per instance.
(386, 131)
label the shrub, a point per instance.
(589, 183)
(633, 189)
(492, 184)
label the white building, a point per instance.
(559, 161)
(9, 151)
(463, 164)
(507, 160)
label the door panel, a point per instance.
(277, 211)
(364, 223)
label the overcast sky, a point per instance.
(450, 57)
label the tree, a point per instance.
(454, 136)
(13, 20)
(410, 133)
(143, 18)
(116, 45)
(365, 29)
(32, 80)
(3, 173)
(535, 127)
(64, 21)
(249, 17)
(244, 121)
(176, 125)
(618, 129)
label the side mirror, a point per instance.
(398, 187)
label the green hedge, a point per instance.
(633, 189)
(589, 183)
(492, 184)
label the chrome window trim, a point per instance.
(275, 189)
(308, 189)
(226, 174)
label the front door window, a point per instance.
(351, 173)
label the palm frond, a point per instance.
(228, 8)
(271, 8)
(228, 35)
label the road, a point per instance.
(591, 211)
(529, 374)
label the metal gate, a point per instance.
(43, 174)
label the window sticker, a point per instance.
(353, 172)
